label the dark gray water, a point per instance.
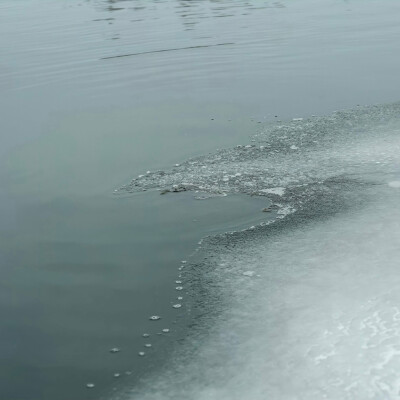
(95, 93)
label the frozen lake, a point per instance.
(231, 103)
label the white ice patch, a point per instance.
(322, 319)
(394, 184)
(321, 322)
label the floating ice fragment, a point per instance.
(165, 330)
(179, 288)
(293, 147)
(155, 318)
(115, 350)
(128, 372)
(117, 375)
(177, 305)
(90, 385)
(179, 188)
(148, 345)
(180, 298)
(183, 261)
(249, 273)
(146, 335)
(147, 172)
(178, 281)
(297, 119)
(177, 165)
(141, 353)
(394, 184)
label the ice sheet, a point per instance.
(307, 307)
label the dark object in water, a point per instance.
(175, 189)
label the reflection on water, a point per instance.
(192, 11)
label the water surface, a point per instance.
(96, 93)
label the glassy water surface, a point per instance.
(95, 93)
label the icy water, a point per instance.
(305, 306)
(199, 97)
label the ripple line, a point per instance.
(165, 50)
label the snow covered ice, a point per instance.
(319, 315)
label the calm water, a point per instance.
(94, 93)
